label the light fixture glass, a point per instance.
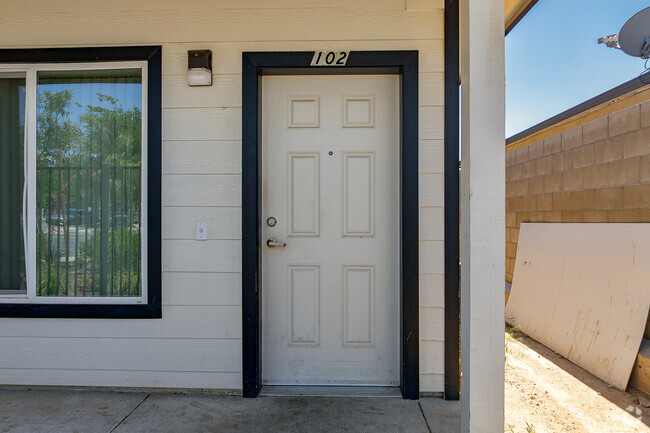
(199, 77)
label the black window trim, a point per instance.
(153, 56)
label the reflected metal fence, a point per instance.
(88, 231)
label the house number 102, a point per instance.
(330, 58)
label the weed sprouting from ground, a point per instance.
(510, 428)
(512, 337)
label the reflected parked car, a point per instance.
(73, 215)
(124, 222)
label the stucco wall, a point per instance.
(197, 344)
(596, 172)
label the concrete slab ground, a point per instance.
(46, 411)
(442, 416)
(64, 411)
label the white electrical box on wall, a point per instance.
(201, 231)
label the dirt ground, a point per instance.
(546, 393)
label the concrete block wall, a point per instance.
(595, 172)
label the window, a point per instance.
(80, 182)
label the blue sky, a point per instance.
(553, 60)
(127, 95)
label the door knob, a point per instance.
(272, 243)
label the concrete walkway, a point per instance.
(94, 411)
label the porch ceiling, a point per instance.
(515, 10)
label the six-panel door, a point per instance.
(330, 171)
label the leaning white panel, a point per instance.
(582, 290)
(303, 298)
(359, 111)
(303, 111)
(358, 194)
(358, 300)
(303, 185)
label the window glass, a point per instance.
(88, 183)
(12, 180)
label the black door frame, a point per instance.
(452, 200)
(257, 64)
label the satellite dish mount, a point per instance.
(634, 37)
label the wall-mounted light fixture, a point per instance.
(199, 68)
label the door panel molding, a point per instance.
(359, 193)
(299, 189)
(257, 64)
(303, 320)
(358, 325)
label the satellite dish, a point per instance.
(634, 37)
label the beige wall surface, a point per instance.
(594, 173)
(197, 344)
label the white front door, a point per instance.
(330, 297)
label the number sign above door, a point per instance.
(330, 58)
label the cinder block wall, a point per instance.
(596, 172)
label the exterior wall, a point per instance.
(197, 343)
(596, 172)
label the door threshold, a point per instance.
(330, 391)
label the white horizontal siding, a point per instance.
(223, 222)
(202, 190)
(88, 377)
(201, 157)
(203, 256)
(193, 5)
(202, 179)
(224, 92)
(432, 257)
(223, 123)
(432, 89)
(432, 156)
(432, 383)
(424, 5)
(432, 189)
(432, 227)
(122, 353)
(430, 126)
(183, 25)
(432, 324)
(431, 357)
(432, 290)
(178, 322)
(201, 289)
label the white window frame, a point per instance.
(30, 71)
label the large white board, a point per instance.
(584, 291)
